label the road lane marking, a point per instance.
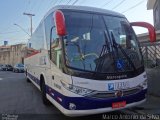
(1, 79)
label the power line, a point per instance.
(68, 2)
(11, 32)
(118, 4)
(14, 38)
(33, 5)
(40, 7)
(25, 6)
(54, 3)
(17, 17)
(107, 3)
(29, 5)
(133, 6)
(75, 2)
(60, 1)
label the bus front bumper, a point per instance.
(81, 106)
(76, 113)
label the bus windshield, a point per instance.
(100, 43)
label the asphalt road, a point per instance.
(17, 97)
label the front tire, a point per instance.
(27, 79)
(43, 91)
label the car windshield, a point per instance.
(100, 43)
(20, 65)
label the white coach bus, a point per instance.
(87, 60)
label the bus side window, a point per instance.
(52, 40)
(55, 49)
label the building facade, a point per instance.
(5, 54)
(155, 5)
(12, 54)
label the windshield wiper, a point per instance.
(116, 45)
(105, 49)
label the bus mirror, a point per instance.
(151, 29)
(60, 23)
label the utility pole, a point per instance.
(30, 15)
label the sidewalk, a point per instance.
(153, 81)
(152, 105)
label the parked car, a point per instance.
(1, 67)
(7, 67)
(19, 67)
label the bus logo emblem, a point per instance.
(111, 86)
(119, 93)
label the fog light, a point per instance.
(72, 106)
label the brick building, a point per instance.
(12, 54)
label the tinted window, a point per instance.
(100, 43)
(20, 65)
(53, 42)
(37, 40)
(49, 23)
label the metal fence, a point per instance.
(151, 54)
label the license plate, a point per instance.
(118, 104)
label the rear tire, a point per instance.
(43, 92)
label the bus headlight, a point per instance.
(76, 89)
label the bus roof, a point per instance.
(84, 8)
(81, 8)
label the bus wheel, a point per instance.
(43, 91)
(27, 79)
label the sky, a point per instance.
(11, 12)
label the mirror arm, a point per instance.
(51, 41)
(151, 29)
(60, 23)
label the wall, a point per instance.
(12, 54)
(4, 57)
(156, 14)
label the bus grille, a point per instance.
(127, 92)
